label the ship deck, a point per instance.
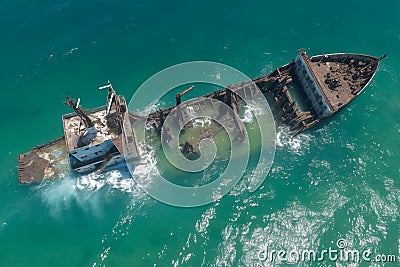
(341, 77)
(73, 128)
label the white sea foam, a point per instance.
(201, 122)
(250, 110)
(227, 248)
(203, 223)
(84, 191)
(151, 108)
(292, 229)
(122, 227)
(60, 195)
(70, 52)
(296, 145)
(139, 199)
(269, 66)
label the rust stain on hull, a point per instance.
(43, 162)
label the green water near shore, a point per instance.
(338, 180)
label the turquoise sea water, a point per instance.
(339, 180)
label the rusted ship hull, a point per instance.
(325, 84)
(43, 162)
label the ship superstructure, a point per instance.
(93, 140)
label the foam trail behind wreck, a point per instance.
(90, 193)
(295, 144)
(139, 204)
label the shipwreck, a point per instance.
(305, 91)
